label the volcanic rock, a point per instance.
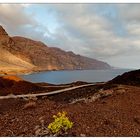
(128, 78)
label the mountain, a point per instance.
(21, 55)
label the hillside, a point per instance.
(128, 78)
(19, 54)
(98, 110)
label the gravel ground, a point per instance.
(114, 115)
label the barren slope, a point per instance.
(29, 55)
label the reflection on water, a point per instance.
(61, 77)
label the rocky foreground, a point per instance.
(104, 109)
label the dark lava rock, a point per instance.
(128, 78)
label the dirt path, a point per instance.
(57, 86)
(44, 94)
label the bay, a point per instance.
(63, 77)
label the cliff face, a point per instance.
(9, 60)
(20, 54)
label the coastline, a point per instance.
(26, 72)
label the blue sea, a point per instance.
(63, 77)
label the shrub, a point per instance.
(61, 124)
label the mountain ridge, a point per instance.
(28, 55)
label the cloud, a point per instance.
(95, 35)
(14, 16)
(129, 12)
(85, 32)
(16, 21)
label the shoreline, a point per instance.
(27, 72)
(35, 76)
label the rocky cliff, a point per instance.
(19, 54)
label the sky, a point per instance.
(107, 32)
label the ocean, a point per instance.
(63, 77)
